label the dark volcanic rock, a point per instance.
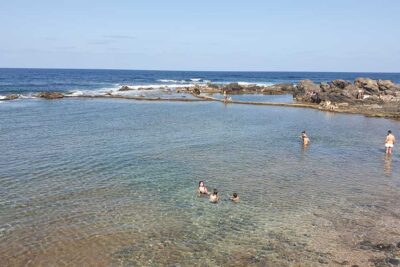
(393, 261)
(369, 85)
(124, 88)
(364, 94)
(350, 91)
(305, 89)
(285, 87)
(50, 95)
(340, 83)
(282, 88)
(385, 84)
(324, 87)
(232, 87)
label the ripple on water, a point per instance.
(113, 183)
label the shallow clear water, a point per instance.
(112, 182)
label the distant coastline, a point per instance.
(373, 98)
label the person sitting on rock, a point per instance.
(202, 188)
(304, 138)
(214, 198)
(234, 197)
(389, 142)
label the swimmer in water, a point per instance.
(305, 138)
(234, 197)
(389, 142)
(202, 188)
(214, 198)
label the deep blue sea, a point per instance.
(112, 182)
(26, 81)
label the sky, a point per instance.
(252, 35)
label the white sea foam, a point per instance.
(2, 97)
(171, 81)
(98, 92)
(159, 86)
(257, 84)
(28, 96)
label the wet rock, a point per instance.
(393, 261)
(196, 91)
(50, 95)
(124, 88)
(398, 245)
(11, 97)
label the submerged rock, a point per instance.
(11, 97)
(51, 95)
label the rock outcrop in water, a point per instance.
(375, 97)
(11, 97)
(50, 95)
(124, 88)
(237, 88)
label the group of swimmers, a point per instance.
(389, 141)
(214, 197)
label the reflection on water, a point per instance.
(112, 182)
(387, 165)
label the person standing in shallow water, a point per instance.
(304, 138)
(389, 142)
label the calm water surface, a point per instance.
(112, 183)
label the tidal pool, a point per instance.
(110, 182)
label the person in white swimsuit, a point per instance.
(389, 142)
(304, 138)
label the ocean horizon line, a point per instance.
(208, 71)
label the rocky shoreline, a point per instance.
(374, 98)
